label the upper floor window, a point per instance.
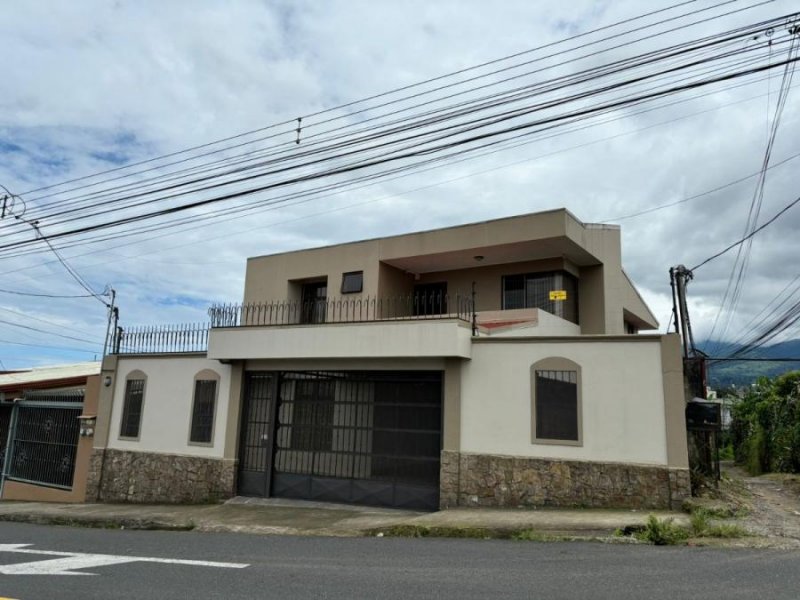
(353, 282)
(533, 290)
(133, 405)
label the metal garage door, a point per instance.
(364, 437)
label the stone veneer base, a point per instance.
(145, 477)
(510, 481)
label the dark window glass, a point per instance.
(312, 416)
(533, 291)
(315, 302)
(352, 282)
(132, 408)
(205, 394)
(557, 405)
(513, 292)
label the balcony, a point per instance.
(415, 326)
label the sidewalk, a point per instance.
(297, 517)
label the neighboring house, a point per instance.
(490, 364)
(46, 427)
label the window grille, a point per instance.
(205, 395)
(557, 405)
(132, 409)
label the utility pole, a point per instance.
(112, 312)
(680, 276)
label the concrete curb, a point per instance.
(97, 522)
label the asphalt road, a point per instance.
(348, 568)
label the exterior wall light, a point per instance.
(107, 380)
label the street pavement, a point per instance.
(298, 517)
(180, 565)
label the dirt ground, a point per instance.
(769, 507)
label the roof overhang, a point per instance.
(482, 256)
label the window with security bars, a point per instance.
(557, 406)
(532, 290)
(312, 415)
(205, 396)
(132, 408)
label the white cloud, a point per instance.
(137, 79)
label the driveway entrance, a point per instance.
(363, 437)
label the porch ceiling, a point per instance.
(556, 247)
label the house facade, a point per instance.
(47, 417)
(492, 364)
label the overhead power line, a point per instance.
(748, 236)
(263, 174)
(37, 295)
(470, 140)
(379, 95)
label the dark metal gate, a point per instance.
(363, 437)
(5, 426)
(255, 446)
(43, 442)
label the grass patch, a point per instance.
(531, 535)
(476, 533)
(662, 533)
(666, 533)
(97, 523)
(422, 531)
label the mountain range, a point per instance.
(738, 373)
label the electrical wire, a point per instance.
(410, 152)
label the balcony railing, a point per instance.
(188, 337)
(344, 310)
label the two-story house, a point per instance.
(491, 364)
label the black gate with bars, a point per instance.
(364, 437)
(5, 426)
(42, 432)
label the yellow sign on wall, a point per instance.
(558, 295)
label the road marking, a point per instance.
(71, 561)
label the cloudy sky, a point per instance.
(91, 86)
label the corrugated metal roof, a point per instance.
(51, 373)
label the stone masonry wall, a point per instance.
(508, 481)
(145, 477)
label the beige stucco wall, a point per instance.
(383, 339)
(544, 324)
(527, 243)
(270, 277)
(168, 398)
(623, 410)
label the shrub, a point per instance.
(662, 533)
(765, 431)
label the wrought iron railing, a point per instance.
(188, 337)
(344, 310)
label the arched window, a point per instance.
(556, 402)
(133, 405)
(204, 406)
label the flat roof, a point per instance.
(448, 228)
